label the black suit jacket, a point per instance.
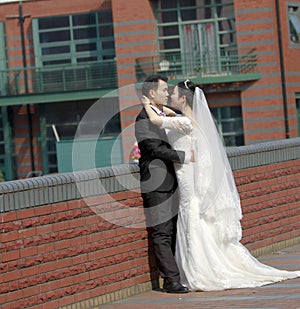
(157, 157)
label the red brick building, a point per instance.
(57, 58)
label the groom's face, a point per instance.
(160, 95)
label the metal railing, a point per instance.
(61, 78)
(178, 65)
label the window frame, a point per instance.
(73, 56)
(180, 24)
(293, 11)
(78, 108)
(221, 120)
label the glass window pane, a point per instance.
(87, 33)
(54, 22)
(56, 36)
(67, 131)
(184, 3)
(84, 19)
(295, 22)
(113, 126)
(52, 158)
(168, 17)
(105, 17)
(106, 31)
(81, 28)
(188, 15)
(236, 111)
(168, 4)
(108, 57)
(214, 112)
(53, 62)
(225, 112)
(239, 140)
(229, 140)
(170, 30)
(87, 59)
(233, 126)
(108, 45)
(86, 47)
(55, 50)
(171, 44)
(50, 143)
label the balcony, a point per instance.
(52, 80)
(232, 65)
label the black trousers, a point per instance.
(161, 209)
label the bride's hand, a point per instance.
(145, 101)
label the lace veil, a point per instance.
(213, 179)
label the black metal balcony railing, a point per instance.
(194, 65)
(59, 78)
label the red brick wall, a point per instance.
(135, 36)
(64, 253)
(263, 102)
(21, 141)
(270, 198)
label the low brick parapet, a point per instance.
(79, 237)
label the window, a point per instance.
(174, 15)
(294, 23)
(196, 33)
(230, 124)
(74, 38)
(75, 52)
(67, 122)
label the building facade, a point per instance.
(70, 70)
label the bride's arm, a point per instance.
(180, 124)
(154, 118)
(168, 111)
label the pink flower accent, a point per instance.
(136, 154)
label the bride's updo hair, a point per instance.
(187, 88)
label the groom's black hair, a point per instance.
(151, 82)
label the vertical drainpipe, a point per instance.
(282, 72)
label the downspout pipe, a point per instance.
(282, 72)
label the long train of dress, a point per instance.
(208, 249)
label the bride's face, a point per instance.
(176, 101)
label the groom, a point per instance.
(158, 183)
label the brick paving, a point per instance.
(281, 295)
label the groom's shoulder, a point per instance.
(141, 115)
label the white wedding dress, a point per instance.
(208, 249)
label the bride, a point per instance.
(208, 249)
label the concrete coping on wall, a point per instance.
(55, 188)
(264, 153)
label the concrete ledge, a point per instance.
(264, 153)
(33, 192)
